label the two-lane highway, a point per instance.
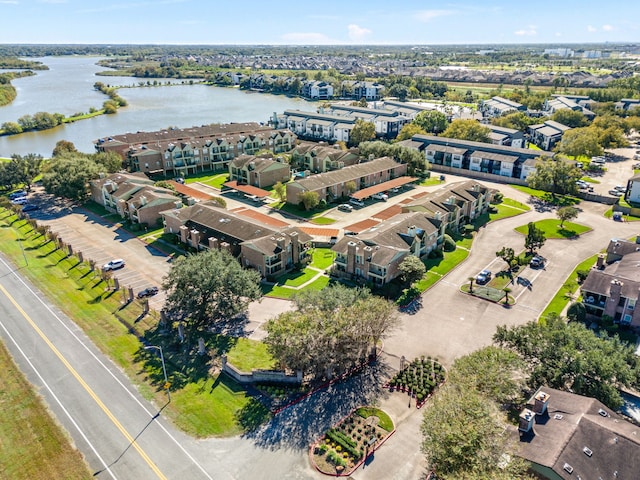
(122, 435)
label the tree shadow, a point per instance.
(300, 424)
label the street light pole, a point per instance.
(164, 368)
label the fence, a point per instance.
(259, 376)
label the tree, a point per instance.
(362, 131)
(566, 214)
(570, 118)
(517, 120)
(209, 288)
(569, 356)
(471, 279)
(310, 199)
(11, 128)
(580, 141)
(431, 121)
(411, 269)
(555, 176)
(110, 162)
(408, 131)
(535, 238)
(508, 255)
(464, 437)
(62, 147)
(26, 168)
(506, 291)
(350, 187)
(281, 191)
(467, 130)
(577, 312)
(331, 331)
(69, 176)
(415, 160)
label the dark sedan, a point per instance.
(148, 292)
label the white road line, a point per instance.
(55, 397)
(107, 369)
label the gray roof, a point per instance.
(572, 423)
(626, 270)
(347, 174)
(446, 149)
(495, 156)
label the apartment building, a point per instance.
(180, 152)
(499, 106)
(261, 172)
(271, 251)
(319, 157)
(546, 135)
(334, 185)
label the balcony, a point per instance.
(341, 261)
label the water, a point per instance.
(67, 88)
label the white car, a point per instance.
(20, 201)
(615, 193)
(380, 196)
(345, 207)
(113, 265)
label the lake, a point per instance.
(67, 88)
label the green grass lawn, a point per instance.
(627, 218)
(510, 202)
(34, 446)
(551, 228)
(444, 265)
(201, 405)
(385, 421)
(428, 280)
(322, 258)
(561, 299)
(559, 200)
(296, 278)
(282, 292)
(432, 180)
(215, 181)
(323, 220)
(590, 180)
(249, 354)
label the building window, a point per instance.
(631, 304)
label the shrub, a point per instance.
(449, 245)
(437, 253)
(582, 275)
(577, 312)
(497, 197)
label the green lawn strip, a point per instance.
(83, 297)
(428, 280)
(444, 265)
(464, 242)
(322, 258)
(385, 421)
(590, 180)
(34, 446)
(500, 280)
(99, 210)
(509, 202)
(551, 228)
(559, 200)
(560, 299)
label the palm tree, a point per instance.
(506, 291)
(471, 279)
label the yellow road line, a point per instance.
(84, 384)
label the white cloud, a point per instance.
(357, 32)
(607, 28)
(527, 32)
(428, 15)
(9, 2)
(306, 38)
(591, 29)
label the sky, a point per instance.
(328, 22)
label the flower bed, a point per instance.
(276, 396)
(346, 445)
(419, 378)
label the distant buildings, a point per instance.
(577, 103)
(484, 158)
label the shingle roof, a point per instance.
(347, 174)
(574, 422)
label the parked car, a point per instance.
(179, 180)
(380, 196)
(395, 189)
(537, 262)
(18, 194)
(20, 201)
(483, 277)
(345, 207)
(29, 207)
(356, 202)
(615, 193)
(620, 188)
(113, 264)
(148, 292)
